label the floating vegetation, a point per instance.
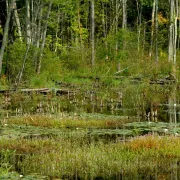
(161, 128)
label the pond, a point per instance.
(153, 102)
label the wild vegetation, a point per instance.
(89, 89)
(73, 154)
(43, 42)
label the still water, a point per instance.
(153, 102)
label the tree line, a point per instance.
(38, 34)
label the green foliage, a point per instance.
(14, 58)
(68, 42)
(51, 65)
(126, 42)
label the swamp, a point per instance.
(130, 132)
(89, 90)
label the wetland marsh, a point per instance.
(123, 133)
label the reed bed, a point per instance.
(146, 156)
(69, 122)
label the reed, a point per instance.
(69, 122)
(63, 158)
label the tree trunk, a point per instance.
(5, 36)
(124, 23)
(57, 29)
(152, 29)
(28, 26)
(44, 38)
(170, 50)
(39, 27)
(16, 16)
(124, 26)
(92, 34)
(178, 38)
(116, 32)
(38, 32)
(139, 9)
(176, 11)
(157, 56)
(23, 66)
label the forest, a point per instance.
(89, 89)
(43, 41)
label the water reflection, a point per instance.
(152, 103)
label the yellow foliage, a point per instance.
(161, 19)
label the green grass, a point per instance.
(75, 122)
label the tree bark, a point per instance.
(23, 66)
(28, 26)
(157, 56)
(44, 38)
(124, 23)
(16, 16)
(5, 36)
(139, 22)
(170, 50)
(176, 11)
(57, 29)
(152, 29)
(92, 34)
(116, 32)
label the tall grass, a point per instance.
(74, 122)
(60, 158)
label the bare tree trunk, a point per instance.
(157, 56)
(33, 25)
(139, 24)
(92, 34)
(39, 27)
(5, 36)
(144, 39)
(79, 25)
(178, 38)
(152, 29)
(36, 13)
(44, 38)
(28, 27)
(116, 32)
(170, 50)
(38, 32)
(57, 29)
(176, 11)
(23, 66)
(80, 33)
(7, 7)
(17, 21)
(124, 23)
(104, 25)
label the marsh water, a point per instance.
(150, 109)
(146, 109)
(147, 103)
